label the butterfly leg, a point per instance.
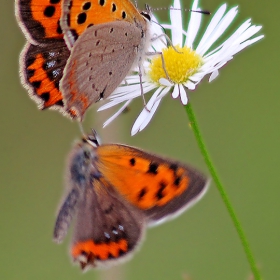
(163, 63)
(168, 39)
(141, 87)
(160, 53)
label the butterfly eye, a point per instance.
(87, 154)
(146, 15)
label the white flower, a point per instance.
(185, 62)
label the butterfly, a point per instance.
(115, 192)
(78, 52)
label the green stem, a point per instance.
(222, 192)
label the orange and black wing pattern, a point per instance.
(45, 54)
(160, 187)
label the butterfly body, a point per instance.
(116, 191)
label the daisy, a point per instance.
(185, 62)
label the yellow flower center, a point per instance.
(179, 64)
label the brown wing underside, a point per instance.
(107, 227)
(99, 61)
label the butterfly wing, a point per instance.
(108, 229)
(78, 15)
(99, 61)
(161, 187)
(41, 68)
(44, 56)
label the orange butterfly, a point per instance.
(116, 191)
(77, 51)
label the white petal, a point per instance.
(117, 113)
(175, 92)
(197, 77)
(155, 31)
(140, 119)
(117, 99)
(165, 82)
(224, 47)
(183, 95)
(149, 117)
(212, 25)
(194, 25)
(125, 89)
(108, 105)
(163, 93)
(214, 75)
(135, 92)
(190, 85)
(176, 23)
(145, 113)
(252, 30)
(247, 43)
(219, 30)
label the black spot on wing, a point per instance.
(49, 11)
(58, 30)
(177, 181)
(45, 96)
(109, 209)
(59, 103)
(153, 167)
(86, 5)
(82, 17)
(114, 7)
(142, 193)
(174, 167)
(36, 84)
(160, 194)
(132, 161)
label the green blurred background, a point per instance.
(239, 117)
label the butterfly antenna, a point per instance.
(205, 12)
(136, 4)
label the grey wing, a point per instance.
(100, 60)
(80, 170)
(65, 215)
(111, 225)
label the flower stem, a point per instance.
(222, 192)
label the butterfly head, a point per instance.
(92, 139)
(147, 13)
(84, 159)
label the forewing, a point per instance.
(100, 59)
(78, 15)
(161, 187)
(107, 228)
(39, 20)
